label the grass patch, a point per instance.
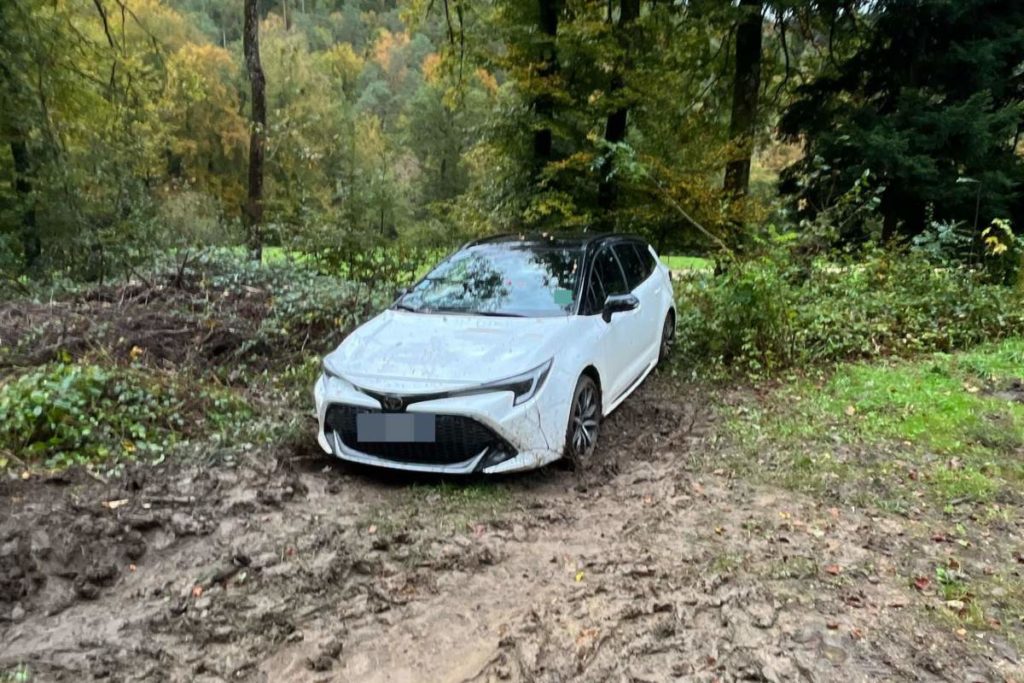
(457, 506)
(889, 430)
(687, 262)
(446, 506)
(19, 674)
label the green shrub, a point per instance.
(772, 312)
(64, 413)
(743, 316)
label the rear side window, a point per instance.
(636, 270)
(650, 263)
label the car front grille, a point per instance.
(457, 438)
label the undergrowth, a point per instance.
(773, 313)
(74, 413)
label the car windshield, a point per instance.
(517, 280)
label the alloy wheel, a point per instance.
(584, 422)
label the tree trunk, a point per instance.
(30, 241)
(615, 126)
(543, 104)
(744, 96)
(257, 136)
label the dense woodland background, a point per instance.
(130, 131)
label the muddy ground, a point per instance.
(282, 564)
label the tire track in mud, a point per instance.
(640, 568)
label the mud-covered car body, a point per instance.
(427, 387)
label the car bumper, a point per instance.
(534, 430)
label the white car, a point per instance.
(504, 358)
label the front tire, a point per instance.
(668, 335)
(584, 422)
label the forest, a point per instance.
(140, 129)
(822, 481)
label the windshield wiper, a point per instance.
(499, 314)
(405, 307)
(467, 311)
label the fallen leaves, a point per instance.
(922, 583)
(833, 569)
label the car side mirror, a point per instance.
(617, 303)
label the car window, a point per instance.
(500, 279)
(607, 269)
(636, 271)
(650, 263)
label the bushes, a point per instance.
(304, 305)
(773, 312)
(744, 316)
(66, 413)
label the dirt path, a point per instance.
(276, 567)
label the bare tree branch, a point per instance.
(103, 17)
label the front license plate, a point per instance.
(395, 428)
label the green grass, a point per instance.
(940, 404)
(452, 507)
(457, 506)
(20, 674)
(687, 262)
(894, 429)
(278, 254)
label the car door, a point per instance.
(638, 271)
(618, 345)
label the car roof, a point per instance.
(567, 240)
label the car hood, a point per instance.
(401, 351)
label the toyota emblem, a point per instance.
(391, 402)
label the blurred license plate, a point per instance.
(395, 428)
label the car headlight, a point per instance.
(524, 386)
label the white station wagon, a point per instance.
(505, 357)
